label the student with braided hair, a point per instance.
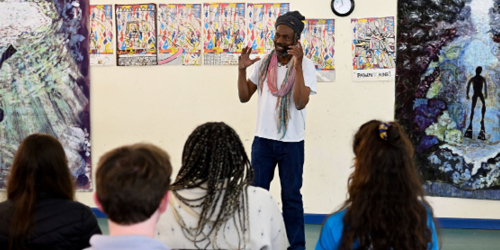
(386, 208)
(284, 79)
(212, 205)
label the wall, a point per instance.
(163, 104)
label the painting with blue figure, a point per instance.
(448, 94)
(56, 99)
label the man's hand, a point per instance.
(246, 88)
(244, 60)
(297, 52)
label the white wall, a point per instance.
(163, 104)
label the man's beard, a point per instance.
(282, 54)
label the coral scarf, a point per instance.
(269, 70)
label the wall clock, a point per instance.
(342, 7)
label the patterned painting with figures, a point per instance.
(224, 32)
(318, 41)
(373, 53)
(101, 35)
(136, 34)
(261, 20)
(179, 34)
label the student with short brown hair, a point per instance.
(132, 185)
(40, 212)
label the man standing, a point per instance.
(132, 184)
(477, 82)
(284, 80)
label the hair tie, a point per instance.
(382, 130)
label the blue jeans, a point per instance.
(289, 156)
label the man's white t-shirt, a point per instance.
(267, 125)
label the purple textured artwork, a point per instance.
(44, 80)
(448, 93)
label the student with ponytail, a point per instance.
(40, 212)
(386, 208)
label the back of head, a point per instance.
(213, 153)
(40, 166)
(386, 208)
(479, 69)
(131, 182)
(214, 157)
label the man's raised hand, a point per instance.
(297, 52)
(244, 60)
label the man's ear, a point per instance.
(98, 203)
(164, 202)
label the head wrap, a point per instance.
(293, 20)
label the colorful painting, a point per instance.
(373, 52)
(318, 41)
(136, 34)
(179, 34)
(224, 32)
(261, 20)
(448, 93)
(101, 35)
(44, 80)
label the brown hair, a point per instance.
(40, 165)
(386, 208)
(131, 182)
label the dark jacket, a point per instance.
(58, 224)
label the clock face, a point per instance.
(342, 6)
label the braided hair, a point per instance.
(214, 159)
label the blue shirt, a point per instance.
(332, 232)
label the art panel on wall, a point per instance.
(373, 53)
(44, 80)
(101, 35)
(261, 20)
(179, 34)
(448, 90)
(318, 42)
(136, 34)
(224, 32)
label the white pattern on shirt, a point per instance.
(267, 229)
